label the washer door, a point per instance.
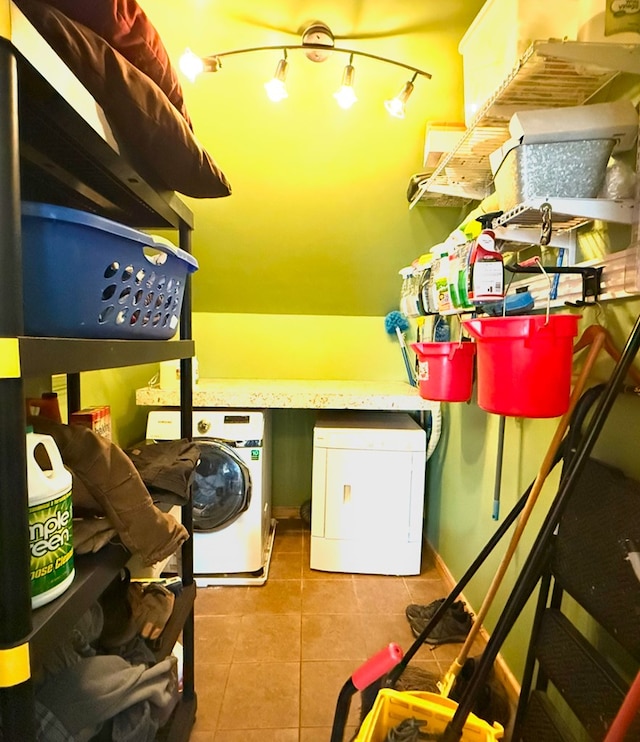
(221, 486)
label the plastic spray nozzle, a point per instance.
(487, 219)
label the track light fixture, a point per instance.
(276, 90)
(346, 96)
(318, 44)
(396, 105)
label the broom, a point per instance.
(447, 682)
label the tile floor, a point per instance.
(270, 660)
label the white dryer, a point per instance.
(232, 524)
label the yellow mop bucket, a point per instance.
(391, 707)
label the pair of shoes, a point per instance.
(415, 611)
(452, 627)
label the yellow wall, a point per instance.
(276, 346)
(318, 222)
(295, 347)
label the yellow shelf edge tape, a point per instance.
(14, 666)
(9, 358)
(5, 19)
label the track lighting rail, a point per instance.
(318, 44)
(212, 62)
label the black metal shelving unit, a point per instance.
(50, 152)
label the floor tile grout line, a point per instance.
(360, 611)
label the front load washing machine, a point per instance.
(233, 530)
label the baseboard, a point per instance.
(285, 512)
(501, 669)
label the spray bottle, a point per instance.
(485, 275)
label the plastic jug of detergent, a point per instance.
(50, 520)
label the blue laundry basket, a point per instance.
(89, 277)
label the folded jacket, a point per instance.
(106, 482)
(166, 468)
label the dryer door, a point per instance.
(221, 486)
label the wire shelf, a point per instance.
(569, 213)
(541, 79)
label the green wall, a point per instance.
(461, 477)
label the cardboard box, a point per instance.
(97, 419)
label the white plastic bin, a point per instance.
(552, 169)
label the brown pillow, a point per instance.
(124, 26)
(154, 137)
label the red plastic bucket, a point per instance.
(524, 363)
(445, 370)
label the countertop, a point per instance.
(293, 394)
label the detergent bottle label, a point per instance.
(51, 545)
(487, 280)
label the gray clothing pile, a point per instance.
(83, 689)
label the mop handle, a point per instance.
(446, 684)
(405, 357)
(370, 671)
(498, 481)
(375, 667)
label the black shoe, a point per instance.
(454, 626)
(415, 611)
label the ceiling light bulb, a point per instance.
(191, 65)
(276, 90)
(396, 105)
(346, 96)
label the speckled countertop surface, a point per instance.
(292, 393)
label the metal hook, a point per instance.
(547, 225)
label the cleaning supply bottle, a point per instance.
(50, 519)
(441, 330)
(406, 304)
(441, 281)
(485, 277)
(426, 288)
(456, 242)
(464, 252)
(47, 406)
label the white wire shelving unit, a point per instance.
(550, 74)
